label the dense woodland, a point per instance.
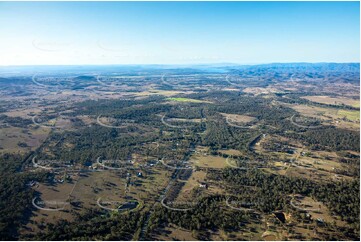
(15, 194)
(140, 124)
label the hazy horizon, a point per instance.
(178, 33)
(190, 64)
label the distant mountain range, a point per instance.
(217, 68)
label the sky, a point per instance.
(101, 33)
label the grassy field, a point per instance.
(174, 233)
(195, 120)
(160, 92)
(108, 185)
(318, 165)
(239, 118)
(11, 136)
(22, 113)
(209, 161)
(327, 165)
(181, 99)
(201, 158)
(317, 209)
(260, 90)
(330, 116)
(51, 194)
(327, 112)
(351, 115)
(192, 182)
(334, 100)
(230, 152)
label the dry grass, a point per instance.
(230, 152)
(173, 232)
(190, 184)
(11, 136)
(333, 100)
(318, 210)
(59, 193)
(187, 100)
(22, 113)
(160, 92)
(209, 161)
(351, 115)
(239, 118)
(259, 90)
(90, 188)
(348, 119)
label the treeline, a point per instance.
(92, 107)
(92, 142)
(343, 198)
(295, 98)
(15, 195)
(15, 121)
(220, 135)
(205, 216)
(92, 225)
(328, 138)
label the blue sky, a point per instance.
(68, 33)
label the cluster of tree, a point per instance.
(88, 143)
(15, 194)
(92, 225)
(92, 142)
(220, 135)
(329, 138)
(173, 193)
(105, 106)
(343, 197)
(15, 121)
(184, 174)
(206, 215)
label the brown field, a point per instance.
(190, 184)
(11, 136)
(313, 165)
(318, 164)
(195, 120)
(160, 92)
(259, 90)
(58, 193)
(317, 210)
(349, 119)
(307, 173)
(230, 89)
(209, 161)
(193, 181)
(326, 113)
(87, 188)
(239, 118)
(22, 113)
(153, 184)
(91, 188)
(276, 230)
(231, 152)
(334, 100)
(174, 233)
(96, 185)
